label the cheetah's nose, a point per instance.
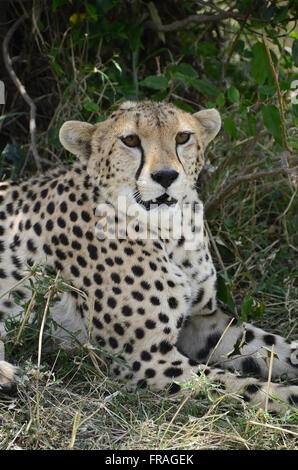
(165, 177)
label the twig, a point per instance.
(211, 205)
(199, 19)
(224, 69)
(21, 89)
(277, 428)
(281, 112)
(269, 379)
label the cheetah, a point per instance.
(153, 292)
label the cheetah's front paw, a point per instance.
(8, 377)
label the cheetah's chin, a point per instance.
(164, 199)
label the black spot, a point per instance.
(77, 231)
(159, 285)
(49, 225)
(74, 270)
(174, 388)
(150, 324)
(116, 278)
(165, 347)
(153, 266)
(163, 317)
(36, 207)
(269, 339)
(149, 373)
(173, 302)
(145, 285)
(129, 280)
(97, 323)
(119, 329)
(142, 383)
(63, 207)
(139, 333)
(252, 388)
(64, 240)
(137, 270)
(136, 366)
(44, 193)
(199, 297)
(50, 208)
(85, 216)
(73, 216)
(86, 281)
(145, 356)
(249, 336)
(47, 249)
(250, 366)
(211, 342)
(111, 302)
(61, 222)
(76, 245)
(81, 261)
(61, 255)
(129, 251)
(113, 342)
(293, 399)
(137, 296)
(173, 372)
(99, 293)
(126, 310)
(107, 318)
(31, 246)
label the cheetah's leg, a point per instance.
(245, 348)
(8, 372)
(167, 370)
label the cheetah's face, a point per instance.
(149, 152)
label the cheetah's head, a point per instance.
(149, 152)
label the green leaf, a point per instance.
(246, 308)
(295, 52)
(230, 127)
(260, 67)
(156, 19)
(223, 292)
(157, 82)
(187, 69)
(92, 13)
(57, 3)
(233, 94)
(251, 124)
(92, 107)
(272, 121)
(220, 100)
(205, 87)
(206, 49)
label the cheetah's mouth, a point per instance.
(163, 199)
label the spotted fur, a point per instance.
(154, 299)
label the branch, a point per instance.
(281, 112)
(198, 19)
(21, 89)
(212, 204)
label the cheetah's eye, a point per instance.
(131, 140)
(182, 137)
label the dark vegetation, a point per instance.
(79, 60)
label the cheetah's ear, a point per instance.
(210, 121)
(75, 136)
